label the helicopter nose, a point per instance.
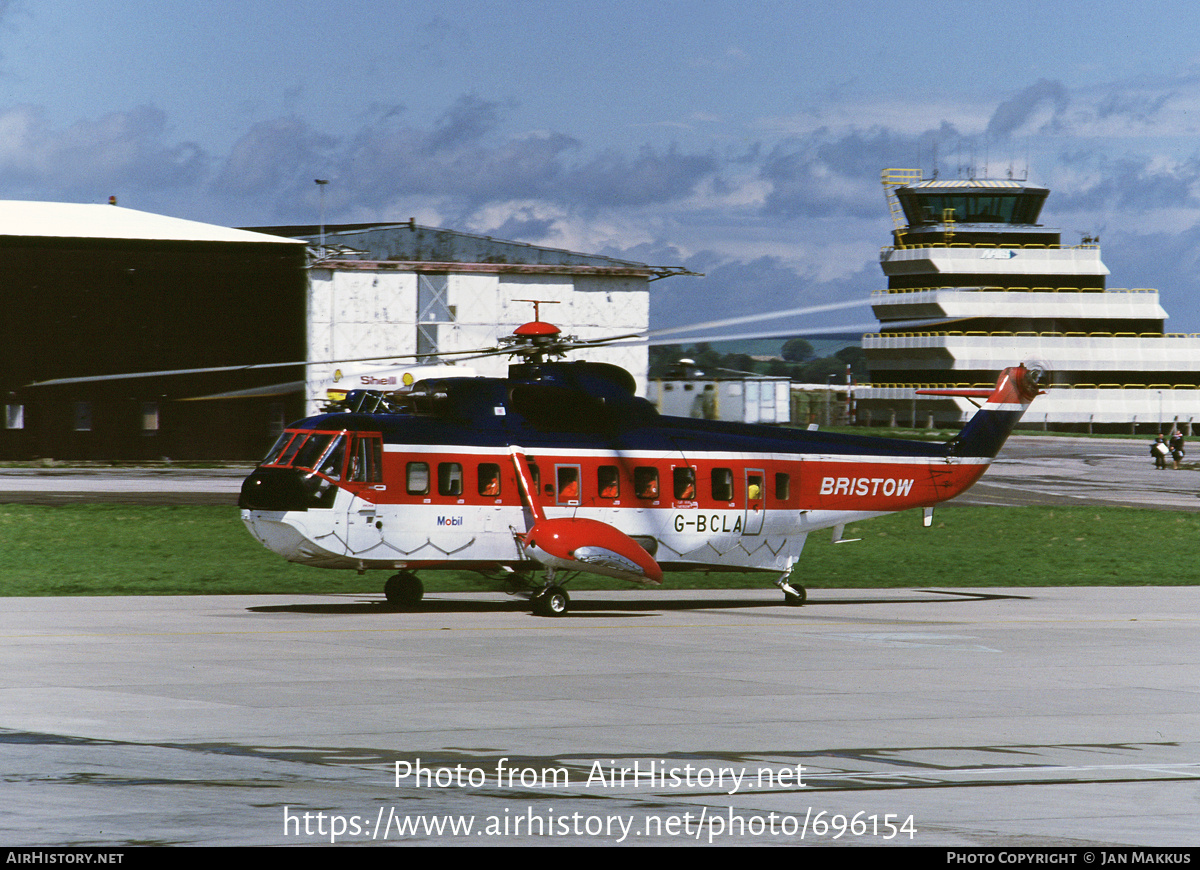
(277, 535)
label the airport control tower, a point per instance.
(975, 283)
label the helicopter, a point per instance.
(559, 469)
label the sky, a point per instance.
(743, 140)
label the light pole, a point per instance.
(321, 182)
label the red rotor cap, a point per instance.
(537, 329)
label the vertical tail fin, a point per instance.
(1002, 409)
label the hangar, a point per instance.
(409, 289)
(96, 290)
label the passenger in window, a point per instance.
(685, 484)
(646, 480)
(609, 482)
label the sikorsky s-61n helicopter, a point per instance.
(560, 469)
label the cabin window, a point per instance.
(366, 462)
(754, 487)
(608, 481)
(536, 474)
(645, 481)
(489, 478)
(568, 484)
(783, 486)
(685, 483)
(14, 416)
(722, 484)
(418, 478)
(450, 478)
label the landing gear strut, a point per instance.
(403, 590)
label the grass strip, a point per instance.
(100, 549)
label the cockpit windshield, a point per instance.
(323, 452)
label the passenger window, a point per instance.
(418, 478)
(754, 487)
(568, 483)
(449, 478)
(722, 484)
(489, 478)
(685, 483)
(645, 482)
(783, 486)
(608, 481)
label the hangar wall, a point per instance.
(89, 306)
(370, 309)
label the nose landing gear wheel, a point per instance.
(553, 601)
(403, 590)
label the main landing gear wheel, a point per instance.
(403, 590)
(552, 601)
(793, 596)
(797, 598)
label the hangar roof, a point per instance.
(410, 242)
(92, 221)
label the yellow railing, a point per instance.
(893, 178)
(976, 386)
(992, 289)
(1049, 334)
(1028, 246)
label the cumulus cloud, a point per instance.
(1044, 102)
(794, 216)
(825, 174)
(94, 157)
(462, 162)
(271, 159)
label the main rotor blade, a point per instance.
(751, 318)
(871, 328)
(247, 368)
(651, 337)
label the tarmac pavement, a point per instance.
(965, 718)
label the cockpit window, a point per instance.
(366, 462)
(309, 456)
(289, 452)
(313, 451)
(278, 446)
